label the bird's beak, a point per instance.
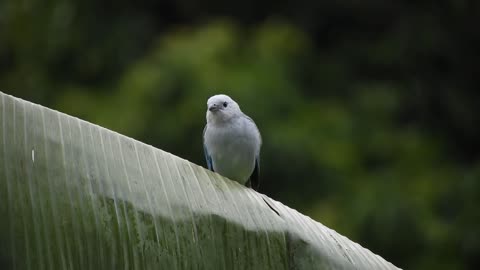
(213, 108)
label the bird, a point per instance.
(231, 142)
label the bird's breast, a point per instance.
(233, 152)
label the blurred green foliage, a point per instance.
(368, 111)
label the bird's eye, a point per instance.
(225, 104)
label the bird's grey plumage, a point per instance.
(231, 141)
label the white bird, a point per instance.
(231, 141)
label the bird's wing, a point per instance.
(208, 158)
(255, 125)
(254, 178)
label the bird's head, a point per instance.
(221, 108)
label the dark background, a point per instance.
(368, 109)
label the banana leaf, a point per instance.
(74, 195)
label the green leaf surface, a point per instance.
(74, 195)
